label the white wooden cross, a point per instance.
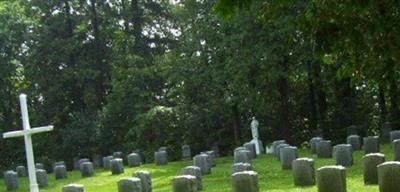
(27, 133)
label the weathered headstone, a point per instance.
(239, 167)
(161, 157)
(11, 180)
(245, 181)
(186, 152)
(344, 155)
(278, 148)
(331, 179)
(394, 135)
(39, 166)
(252, 148)
(371, 144)
(354, 141)
(389, 176)
(194, 171)
(117, 166)
(352, 130)
(145, 180)
(211, 158)
(107, 162)
(84, 160)
(303, 172)
(242, 156)
(41, 176)
(313, 144)
(73, 188)
(370, 170)
(87, 169)
(288, 154)
(202, 162)
(60, 172)
(324, 149)
(184, 183)
(385, 132)
(134, 160)
(21, 171)
(275, 145)
(132, 184)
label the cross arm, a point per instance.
(41, 129)
(13, 134)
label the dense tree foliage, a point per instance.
(141, 74)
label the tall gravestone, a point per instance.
(242, 156)
(303, 172)
(245, 181)
(313, 144)
(278, 149)
(186, 152)
(117, 166)
(324, 149)
(331, 179)
(389, 176)
(371, 144)
(288, 155)
(202, 162)
(194, 171)
(145, 179)
(370, 164)
(41, 176)
(344, 155)
(184, 183)
(385, 132)
(11, 180)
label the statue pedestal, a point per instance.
(259, 146)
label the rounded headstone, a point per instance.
(331, 179)
(161, 157)
(39, 166)
(84, 160)
(313, 144)
(21, 171)
(242, 156)
(245, 181)
(239, 167)
(184, 183)
(73, 188)
(370, 170)
(394, 135)
(87, 169)
(252, 148)
(385, 132)
(194, 171)
(354, 141)
(324, 149)
(202, 162)
(132, 184)
(134, 160)
(107, 162)
(186, 152)
(117, 166)
(303, 172)
(389, 176)
(288, 154)
(41, 177)
(278, 148)
(11, 180)
(60, 172)
(344, 155)
(371, 144)
(145, 180)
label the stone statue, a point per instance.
(254, 128)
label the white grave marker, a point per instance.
(27, 133)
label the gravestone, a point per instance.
(278, 148)
(252, 148)
(256, 138)
(184, 183)
(163, 148)
(324, 149)
(288, 154)
(211, 158)
(145, 180)
(80, 161)
(396, 148)
(97, 160)
(117, 166)
(132, 184)
(59, 163)
(39, 166)
(389, 176)
(134, 160)
(385, 132)
(41, 176)
(21, 171)
(352, 130)
(194, 171)
(344, 155)
(331, 179)
(73, 188)
(141, 154)
(371, 144)
(313, 144)
(239, 167)
(87, 169)
(60, 172)
(186, 152)
(303, 172)
(370, 170)
(354, 141)
(161, 157)
(107, 162)
(118, 154)
(11, 180)
(202, 162)
(242, 156)
(394, 135)
(245, 181)
(275, 145)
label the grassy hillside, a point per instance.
(272, 178)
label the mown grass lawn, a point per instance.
(271, 176)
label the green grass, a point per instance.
(271, 176)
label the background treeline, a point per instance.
(120, 75)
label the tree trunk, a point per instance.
(284, 103)
(236, 125)
(382, 102)
(312, 99)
